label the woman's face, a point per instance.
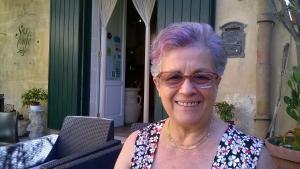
(187, 103)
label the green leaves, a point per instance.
(290, 84)
(34, 96)
(292, 113)
(295, 96)
(289, 102)
(291, 5)
(296, 74)
(224, 109)
(293, 101)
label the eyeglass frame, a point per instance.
(216, 77)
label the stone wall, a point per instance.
(19, 72)
(238, 85)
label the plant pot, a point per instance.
(230, 122)
(37, 108)
(37, 121)
(284, 158)
(132, 105)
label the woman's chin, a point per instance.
(189, 117)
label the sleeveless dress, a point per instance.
(236, 149)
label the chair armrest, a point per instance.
(76, 156)
(27, 153)
(105, 159)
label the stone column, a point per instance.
(263, 68)
(37, 124)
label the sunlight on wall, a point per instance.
(17, 72)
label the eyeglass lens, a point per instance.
(199, 79)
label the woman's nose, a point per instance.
(187, 87)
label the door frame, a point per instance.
(95, 64)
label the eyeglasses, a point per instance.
(198, 79)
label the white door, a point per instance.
(115, 65)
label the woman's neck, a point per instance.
(188, 135)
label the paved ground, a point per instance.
(121, 133)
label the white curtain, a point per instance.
(106, 7)
(145, 8)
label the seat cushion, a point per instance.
(29, 153)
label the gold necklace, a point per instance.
(185, 147)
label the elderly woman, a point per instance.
(188, 60)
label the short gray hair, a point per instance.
(186, 34)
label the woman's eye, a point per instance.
(202, 77)
(174, 77)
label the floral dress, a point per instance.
(236, 150)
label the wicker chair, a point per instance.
(105, 159)
(79, 133)
(137, 126)
(79, 138)
(8, 128)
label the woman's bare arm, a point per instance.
(124, 159)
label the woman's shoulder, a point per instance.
(241, 142)
(235, 144)
(252, 147)
(127, 152)
(238, 136)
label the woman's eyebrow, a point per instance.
(194, 71)
(201, 70)
(178, 71)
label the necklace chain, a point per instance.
(185, 147)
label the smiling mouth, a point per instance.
(187, 103)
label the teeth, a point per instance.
(187, 104)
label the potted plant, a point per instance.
(285, 149)
(225, 111)
(33, 97)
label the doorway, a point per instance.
(135, 55)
